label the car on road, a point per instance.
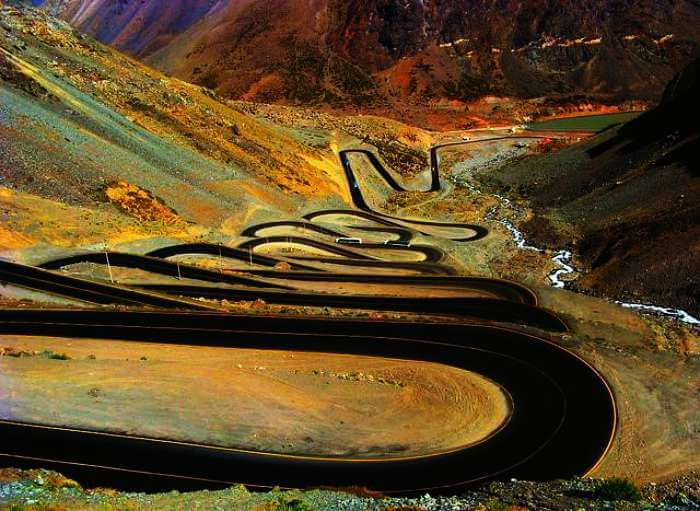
(346, 240)
(397, 243)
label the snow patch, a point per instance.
(454, 43)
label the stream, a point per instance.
(563, 261)
(562, 258)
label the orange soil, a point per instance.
(275, 401)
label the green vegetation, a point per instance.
(292, 505)
(583, 123)
(10, 73)
(37, 507)
(403, 159)
(18, 353)
(353, 81)
(467, 87)
(618, 489)
(52, 355)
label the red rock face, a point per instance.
(387, 51)
(135, 26)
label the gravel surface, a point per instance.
(41, 489)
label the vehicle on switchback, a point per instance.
(346, 240)
(397, 243)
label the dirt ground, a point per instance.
(652, 366)
(271, 401)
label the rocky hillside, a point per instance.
(395, 52)
(86, 132)
(630, 200)
(138, 28)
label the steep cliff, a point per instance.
(404, 51)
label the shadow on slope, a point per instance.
(628, 200)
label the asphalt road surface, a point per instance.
(563, 413)
(562, 419)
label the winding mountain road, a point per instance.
(561, 423)
(562, 418)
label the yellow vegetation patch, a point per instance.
(329, 169)
(13, 240)
(39, 220)
(139, 203)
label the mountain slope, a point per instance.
(138, 28)
(630, 200)
(391, 52)
(87, 131)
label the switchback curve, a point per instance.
(561, 425)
